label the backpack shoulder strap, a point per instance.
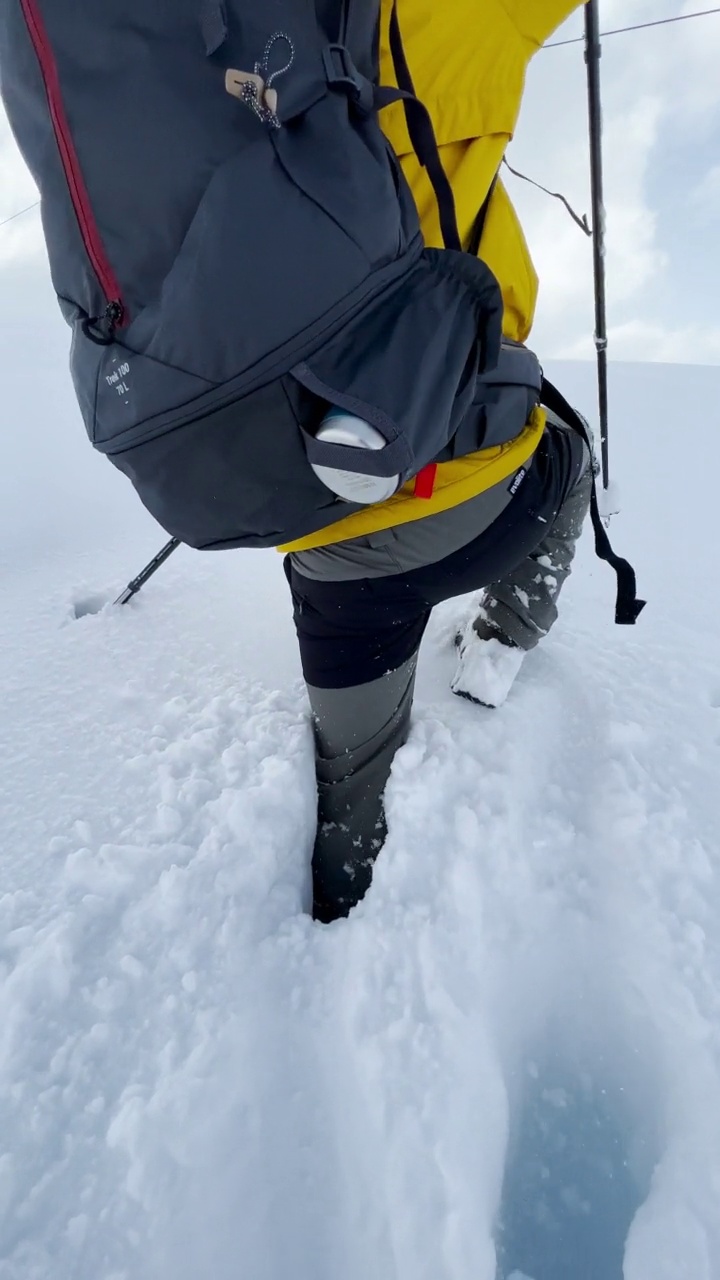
(627, 606)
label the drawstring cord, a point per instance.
(257, 92)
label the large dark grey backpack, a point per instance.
(234, 245)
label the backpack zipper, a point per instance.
(115, 312)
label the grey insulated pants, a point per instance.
(357, 732)
(522, 607)
(359, 639)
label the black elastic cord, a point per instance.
(627, 606)
(422, 137)
(582, 222)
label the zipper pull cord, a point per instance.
(112, 318)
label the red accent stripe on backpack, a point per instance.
(94, 246)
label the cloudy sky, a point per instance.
(661, 92)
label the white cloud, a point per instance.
(641, 340)
(704, 198)
(687, 68)
(633, 255)
(20, 240)
(661, 99)
(16, 184)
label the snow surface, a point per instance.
(507, 1061)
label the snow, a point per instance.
(507, 1061)
(486, 668)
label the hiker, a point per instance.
(285, 336)
(363, 590)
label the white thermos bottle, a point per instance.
(339, 427)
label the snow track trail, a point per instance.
(504, 1066)
(513, 1041)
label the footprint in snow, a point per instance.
(570, 1192)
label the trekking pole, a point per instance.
(593, 53)
(133, 587)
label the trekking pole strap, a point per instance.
(627, 605)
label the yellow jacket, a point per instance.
(468, 67)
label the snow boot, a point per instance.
(487, 666)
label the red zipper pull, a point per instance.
(425, 481)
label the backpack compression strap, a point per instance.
(422, 133)
(627, 605)
(359, 32)
(422, 136)
(342, 74)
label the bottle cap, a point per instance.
(339, 427)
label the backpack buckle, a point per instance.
(341, 73)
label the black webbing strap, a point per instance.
(342, 33)
(478, 227)
(627, 605)
(422, 135)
